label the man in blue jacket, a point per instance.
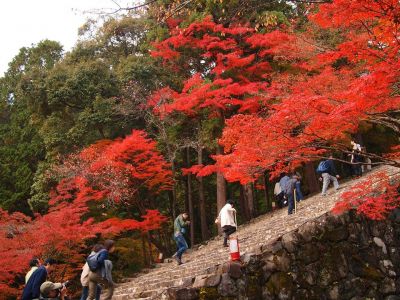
(329, 175)
(32, 288)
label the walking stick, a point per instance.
(295, 201)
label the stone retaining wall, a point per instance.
(345, 257)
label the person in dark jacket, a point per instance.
(32, 288)
(96, 277)
(299, 194)
(34, 264)
(289, 190)
(181, 224)
(329, 175)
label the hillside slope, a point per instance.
(206, 259)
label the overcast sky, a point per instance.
(26, 22)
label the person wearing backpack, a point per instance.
(328, 174)
(100, 271)
(85, 276)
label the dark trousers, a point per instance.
(228, 230)
(290, 203)
(280, 199)
(299, 194)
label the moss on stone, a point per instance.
(253, 286)
(208, 293)
(278, 282)
(372, 273)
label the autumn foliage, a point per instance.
(106, 172)
(281, 97)
(287, 98)
(373, 197)
(229, 68)
(318, 107)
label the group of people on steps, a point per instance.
(287, 190)
(96, 273)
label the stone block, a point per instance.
(227, 287)
(280, 285)
(282, 262)
(336, 234)
(184, 282)
(213, 280)
(290, 241)
(199, 281)
(233, 269)
(177, 293)
(388, 286)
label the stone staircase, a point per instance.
(207, 258)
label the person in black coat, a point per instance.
(32, 288)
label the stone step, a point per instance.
(205, 258)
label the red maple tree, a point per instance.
(318, 107)
(106, 171)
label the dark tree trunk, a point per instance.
(190, 198)
(249, 198)
(144, 252)
(255, 194)
(150, 249)
(243, 204)
(221, 189)
(268, 200)
(173, 204)
(311, 178)
(162, 247)
(202, 200)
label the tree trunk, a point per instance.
(190, 198)
(202, 200)
(173, 204)
(221, 189)
(162, 247)
(150, 249)
(311, 178)
(144, 253)
(268, 200)
(249, 197)
(243, 204)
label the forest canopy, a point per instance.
(177, 106)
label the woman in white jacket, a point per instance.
(227, 219)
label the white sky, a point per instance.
(27, 22)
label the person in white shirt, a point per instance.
(355, 158)
(227, 219)
(34, 264)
